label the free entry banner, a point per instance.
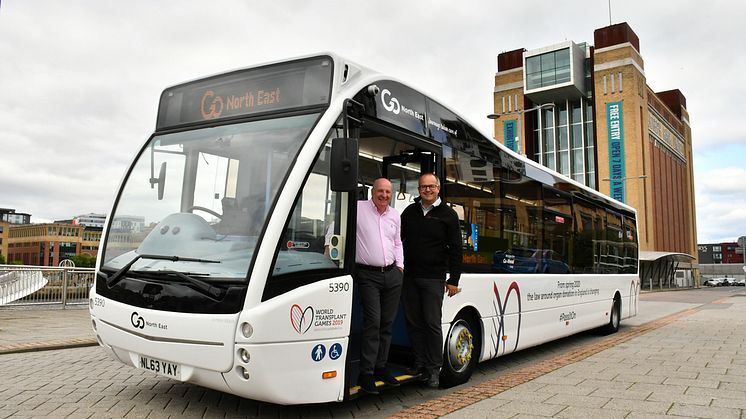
(615, 127)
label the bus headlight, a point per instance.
(243, 372)
(244, 355)
(247, 330)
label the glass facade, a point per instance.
(563, 140)
(548, 69)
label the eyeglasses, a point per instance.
(431, 187)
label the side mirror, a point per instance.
(161, 180)
(343, 168)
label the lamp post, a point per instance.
(742, 246)
(606, 179)
(518, 139)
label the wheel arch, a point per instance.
(471, 313)
(617, 299)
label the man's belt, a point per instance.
(376, 268)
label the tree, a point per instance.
(2, 259)
(84, 261)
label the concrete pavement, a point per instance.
(688, 364)
(37, 328)
(684, 355)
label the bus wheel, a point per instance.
(461, 352)
(614, 318)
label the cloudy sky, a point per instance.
(80, 80)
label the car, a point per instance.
(729, 281)
(714, 282)
(740, 282)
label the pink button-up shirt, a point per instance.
(378, 236)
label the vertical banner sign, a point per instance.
(509, 129)
(615, 126)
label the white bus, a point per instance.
(239, 275)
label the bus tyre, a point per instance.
(615, 317)
(461, 354)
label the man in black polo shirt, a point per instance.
(432, 246)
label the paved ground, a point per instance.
(664, 362)
(690, 364)
(33, 329)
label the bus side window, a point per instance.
(470, 188)
(584, 243)
(630, 245)
(614, 255)
(558, 232)
(523, 227)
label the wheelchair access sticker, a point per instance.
(335, 351)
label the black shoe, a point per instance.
(414, 371)
(419, 373)
(433, 379)
(367, 383)
(385, 376)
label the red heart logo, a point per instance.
(301, 320)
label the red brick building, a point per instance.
(49, 244)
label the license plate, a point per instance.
(165, 368)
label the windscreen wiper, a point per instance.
(202, 286)
(118, 275)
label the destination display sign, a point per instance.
(401, 106)
(243, 93)
(409, 109)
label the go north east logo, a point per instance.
(212, 106)
(301, 319)
(392, 105)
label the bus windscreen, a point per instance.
(279, 87)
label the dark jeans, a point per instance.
(379, 293)
(423, 306)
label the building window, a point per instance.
(563, 143)
(563, 140)
(548, 143)
(548, 69)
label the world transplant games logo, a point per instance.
(301, 319)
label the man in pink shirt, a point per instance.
(380, 263)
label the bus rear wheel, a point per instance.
(615, 317)
(461, 353)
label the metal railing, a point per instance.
(22, 285)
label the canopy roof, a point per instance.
(653, 256)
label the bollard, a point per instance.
(64, 288)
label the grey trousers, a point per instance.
(423, 306)
(379, 293)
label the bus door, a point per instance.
(403, 171)
(401, 158)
